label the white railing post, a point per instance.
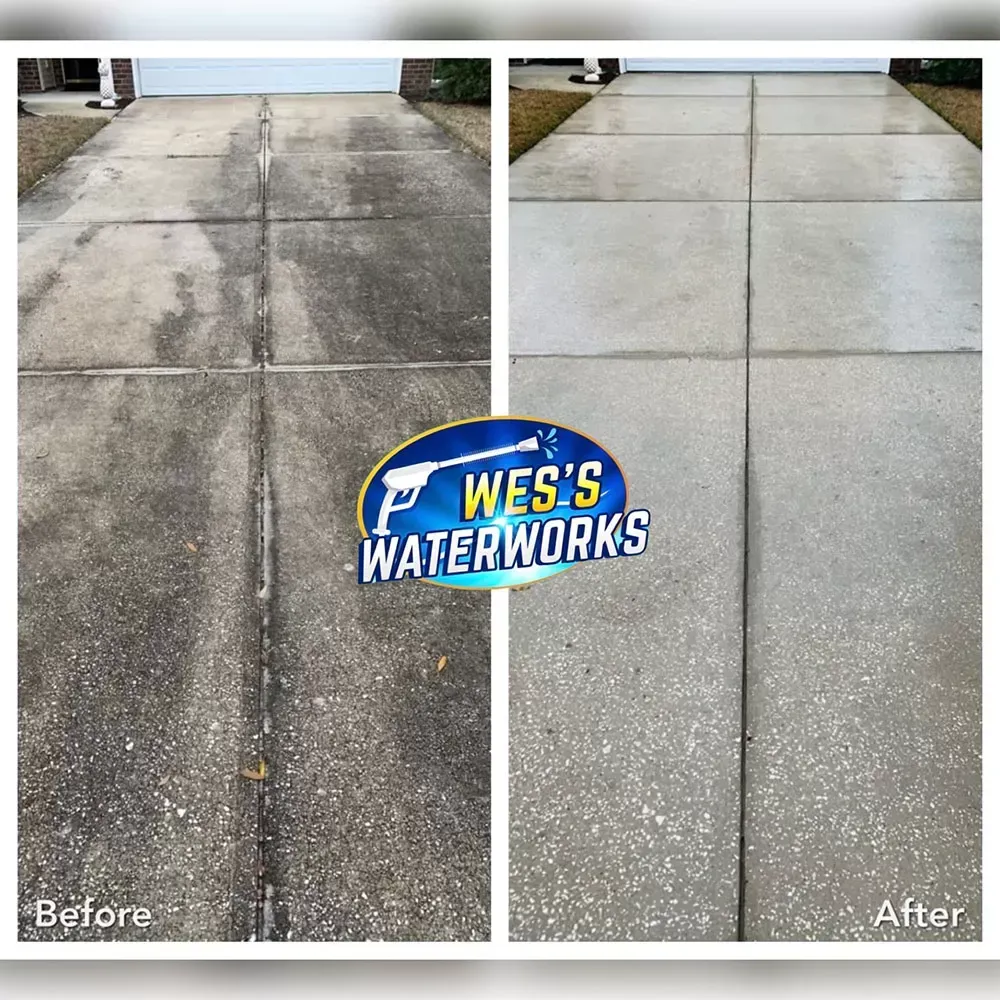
(108, 96)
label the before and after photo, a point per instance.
(248, 289)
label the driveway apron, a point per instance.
(770, 722)
(230, 309)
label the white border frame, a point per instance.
(499, 947)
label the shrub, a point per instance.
(463, 80)
(968, 72)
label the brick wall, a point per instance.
(415, 80)
(904, 69)
(121, 74)
(28, 79)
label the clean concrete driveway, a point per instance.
(794, 664)
(230, 309)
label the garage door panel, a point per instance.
(178, 77)
(757, 65)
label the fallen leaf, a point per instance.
(255, 774)
(42, 454)
(442, 663)
(521, 586)
(191, 547)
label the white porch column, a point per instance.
(108, 95)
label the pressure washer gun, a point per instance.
(409, 480)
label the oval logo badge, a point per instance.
(494, 502)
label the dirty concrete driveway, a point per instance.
(230, 309)
(763, 294)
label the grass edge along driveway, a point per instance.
(43, 142)
(960, 107)
(535, 113)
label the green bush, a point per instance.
(968, 72)
(463, 80)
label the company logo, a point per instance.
(494, 502)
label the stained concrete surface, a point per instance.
(864, 652)
(175, 295)
(381, 777)
(360, 134)
(144, 627)
(137, 656)
(862, 548)
(625, 675)
(377, 185)
(685, 293)
(633, 168)
(393, 290)
(88, 189)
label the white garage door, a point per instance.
(176, 77)
(757, 65)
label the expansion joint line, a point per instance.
(262, 919)
(742, 865)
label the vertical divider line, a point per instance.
(499, 599)
(263, 917)
(741, 873)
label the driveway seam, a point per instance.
(251, 369)
(264, 548)
(741, 867)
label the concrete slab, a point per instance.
(379, 290)
(827, 85)
(357, 134)
(184, 294)
(145, 189)
(896, 276)
(137, 657)
(175, 137)
(634, 168)
(539, 77)
(607, 278)
(380, 798)
(866, 168)
(839, 115)
(700, 84)
(625, 675)
(378, 185)
(221, 109)
(336, 105)
(72, 104)
(662, 116)
(864, 670)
